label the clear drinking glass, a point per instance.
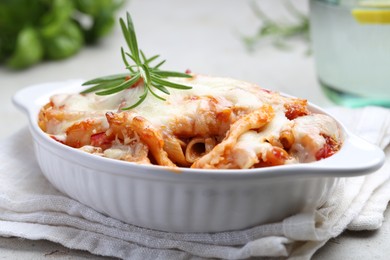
(351, 45)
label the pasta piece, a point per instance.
(79, 134)
(212, 117)
(287, 138)
(133, 152)
(310, 136)
(56, 120)
(197, 147)
(221, 155)
(174, 147)
(273, 157)
(296, 108)
(150, 136)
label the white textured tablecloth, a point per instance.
(30, 207)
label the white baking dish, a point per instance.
(189, 200)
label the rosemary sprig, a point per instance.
(279, 32)
(153, 78)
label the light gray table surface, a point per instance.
(205, 37)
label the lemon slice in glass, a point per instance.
(372, 12)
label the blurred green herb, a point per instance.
(278, 32)
(34, 30)
(152, 77)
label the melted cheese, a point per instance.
(251, 146)
(229, 91)
(308, 132)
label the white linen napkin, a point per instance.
(31, 208)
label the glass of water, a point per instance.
(351, 45)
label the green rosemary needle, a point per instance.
(153, 78)
(279, 32)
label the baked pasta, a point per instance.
(220, 123)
